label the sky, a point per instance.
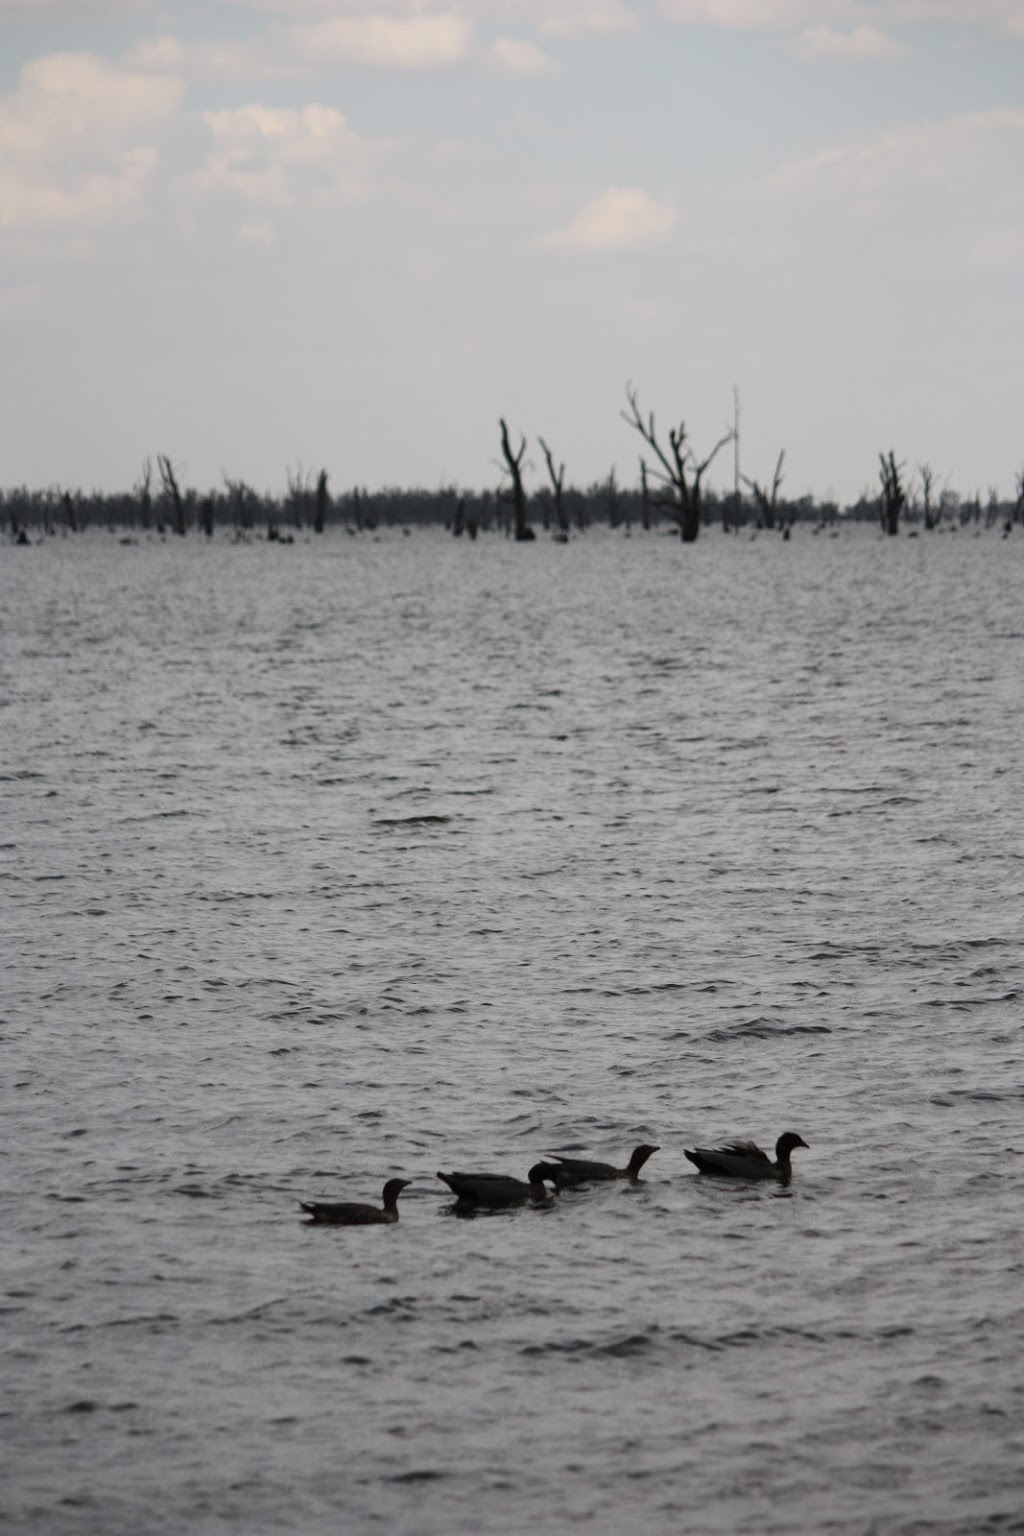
(266, 237)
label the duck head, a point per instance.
(541, 1171)
(639, 1157)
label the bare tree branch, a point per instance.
(681, 474)
(514, 466)
(767, 501)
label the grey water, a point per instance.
(370, 856)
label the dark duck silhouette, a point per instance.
(571, 1171)
(745, 1160)
(351, 1213)
(496, 1191)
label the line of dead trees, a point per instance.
(671, 486)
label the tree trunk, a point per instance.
(689, 520)
(320, 506)
(513, 463)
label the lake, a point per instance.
(371, 856)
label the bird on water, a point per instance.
(745, 1160)
(571, 1171)
(495, 1191)
(352, 1213)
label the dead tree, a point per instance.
(321, 503)
(172, 491)
(142, 491)
(557, 478)
(645, 498)
(611, 494)
(514, 465)
(931, 517)
(767, 501)
(356, 510)
(677, 471)
(298, 502)
(894, 497)
(70, 515)
(242, 505)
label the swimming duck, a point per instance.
(494, 1191)
(745, 1160)
(570, 1171)
(350, 1213)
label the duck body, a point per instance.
(573, 1171)
(352, 1213)
(497, 1191)
(746, 1160)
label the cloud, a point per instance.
(952, 185)
(1001, 15)
(521, 58)
(737, 15)
(291, 49)
(578, 18)
(849, 18)
(858, 43)
(621, 219)
(156, 55)
(77, 141)
(272, 157)
(387, 42)
(552, 18)
(966, 148)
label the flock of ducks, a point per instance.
(498, 1191)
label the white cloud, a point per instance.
(521, 58)
(850, 16)
(576, 18)
(620, 219)
(965, 149)
(743, 14)
(953, 186)
(1003, 15)
(552, 18)
(320, 44)
(274, 156)
(157, 55)
(77, 141)
(391, 42)
(858, 43)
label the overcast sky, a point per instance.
(265, 236)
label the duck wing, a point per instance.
(745, 1149)
(569, 1171)
(736, 1160)
(486, 1188)
(346, 1213)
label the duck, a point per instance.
(745, 1160)
(571, 1171)
(353, 1213)
(496, 1191)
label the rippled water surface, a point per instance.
(374, 856)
